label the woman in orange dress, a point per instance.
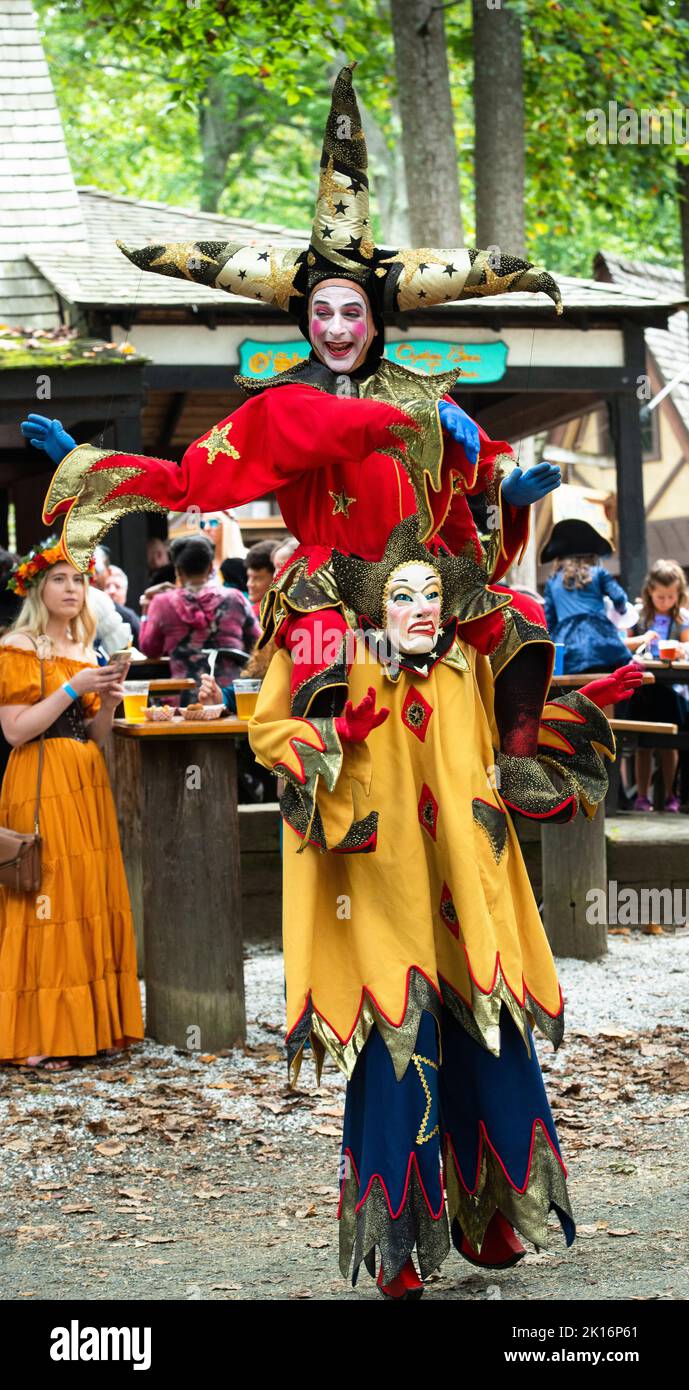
(68, 977)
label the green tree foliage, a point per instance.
(134, 80)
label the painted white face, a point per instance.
(413, 608)
(341, 326)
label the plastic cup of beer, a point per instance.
(246, 695)
(135, 701)
(668, 651)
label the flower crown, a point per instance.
(29, 568)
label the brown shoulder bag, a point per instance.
(20, 852)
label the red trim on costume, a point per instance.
(414, 697)
(572, 715)
(365, 991)
(394, 1215)
(291, 741)
(492, 805)
(425, 799)
(544, 815)
(483, 1139)
(498, 967)
(368, 845)
(445, 900)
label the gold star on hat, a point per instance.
(342, 245)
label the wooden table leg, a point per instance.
(192, 893)
(124, 770)
(574, 862)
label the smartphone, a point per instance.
(120, 659)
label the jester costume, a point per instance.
(414, 952)
(347, 457)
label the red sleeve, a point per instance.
(264, 445)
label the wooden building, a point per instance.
(525, 371)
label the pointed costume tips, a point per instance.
(251, 271)
(342, 245)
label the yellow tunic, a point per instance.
(68, 981)
(442, 905)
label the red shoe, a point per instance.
(500, 1250)
(406, 1284)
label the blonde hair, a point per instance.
(576, 570)
(661, 575)
(33, 616)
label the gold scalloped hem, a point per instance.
(527, 1212)
(373, 1227)
(400, 1039)
(481, 1018)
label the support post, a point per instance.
(192, 905)
(625, 428)
(127, 542)
(574, 862)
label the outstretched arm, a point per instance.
(263, 446)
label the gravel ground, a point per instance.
(171, 1175)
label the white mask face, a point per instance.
(340, 325)
(413, 607)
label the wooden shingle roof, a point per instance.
(103, 277)
(39, 205)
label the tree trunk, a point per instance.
(683, 176)
(428, 135)
(499, 129)
(389, 185)
(683, 199)
(217, 132)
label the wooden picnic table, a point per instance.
(176, 794)
(574, 863)
(168, 685)
(668, 672)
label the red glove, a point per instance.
(355, 724)
(619, 686)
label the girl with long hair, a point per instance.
(663, 616)
(68, 978)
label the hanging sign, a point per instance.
(476, 363)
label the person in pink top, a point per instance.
(181, 620)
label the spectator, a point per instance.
(574, 598)
(157, 554)
(259, 571)
(233, 571)
(10, 604)
(284, 551)
(68, 976)
(180, 622)
(116, 586)
(113, 634)
(663, 616)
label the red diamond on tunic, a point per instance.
(448, 911)
(416, 713)
(428, 811)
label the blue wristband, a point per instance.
(73, 694)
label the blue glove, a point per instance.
(521, 489)
(462, 428)
(49, 435)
